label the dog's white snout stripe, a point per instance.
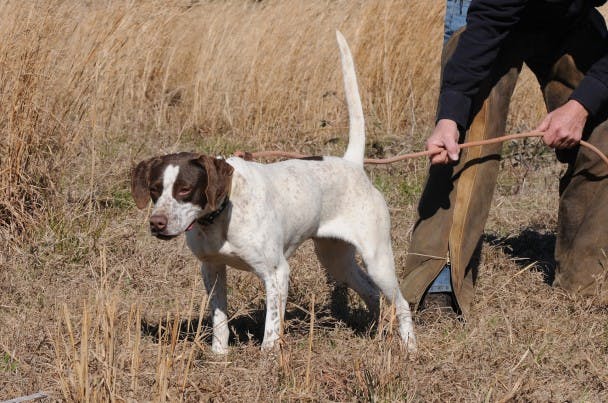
(169, 177)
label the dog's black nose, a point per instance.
(158, 223)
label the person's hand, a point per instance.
(444, 140)
(563, 127)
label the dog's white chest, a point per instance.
(214, 249)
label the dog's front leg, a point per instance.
(276, 282)
(214, 276)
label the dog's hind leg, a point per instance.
(214, 277)
(380, 268)
(338, 258)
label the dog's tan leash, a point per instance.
(377, 161)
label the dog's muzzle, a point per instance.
(158, 224)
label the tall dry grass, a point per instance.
(78, 76)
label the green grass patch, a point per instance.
(7, 364)
(407, 188)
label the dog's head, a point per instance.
(183, 187)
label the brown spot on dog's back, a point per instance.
(312, 158)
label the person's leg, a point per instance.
(455, 17)
(582, 234)
(456, 200)
(581, 250)
(440, 292)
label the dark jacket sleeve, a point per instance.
(592, 92)
(488, 24)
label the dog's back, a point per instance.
(313, 190)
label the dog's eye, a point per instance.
(184, 191)
(155, 191)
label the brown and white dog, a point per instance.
(253, 216)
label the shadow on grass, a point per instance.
(529, 246)
(250, 326)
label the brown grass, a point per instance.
(93, 308)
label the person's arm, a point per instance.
(592, 92)
(563, 128)
(488, 24)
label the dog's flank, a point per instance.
(263, 212)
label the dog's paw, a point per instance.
(217, 348)
(410, 343)
(272, 346)
(269, 346)
(409, 340)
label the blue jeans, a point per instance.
(455, 17)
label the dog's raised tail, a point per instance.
(356, 134)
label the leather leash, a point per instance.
(378, 161)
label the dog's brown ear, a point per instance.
(219, 178)
(140, 183)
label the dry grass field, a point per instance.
(92, 308)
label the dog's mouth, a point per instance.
(166, 237)
(163, 236)
(190, 226)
